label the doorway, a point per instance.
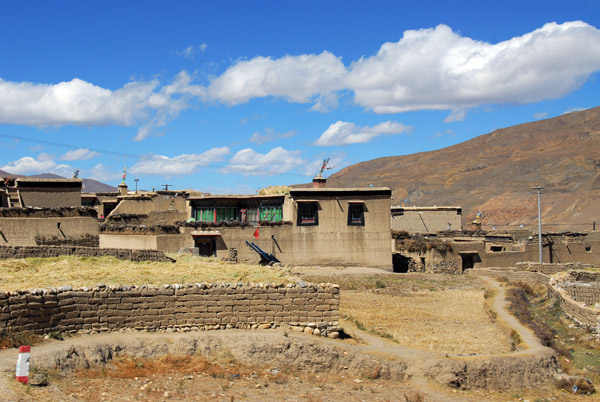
(469, 260)
(207, 246)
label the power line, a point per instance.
(137, 156)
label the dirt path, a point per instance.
(528, 338)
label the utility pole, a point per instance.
(539, 199)
(136, 182)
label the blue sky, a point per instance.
(228, 97)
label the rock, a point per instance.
(308, 330)
(333, 335)
(317, 332)
(38, 380)
(264, 326)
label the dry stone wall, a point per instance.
(587, 293)
(56, 251)
(549, 268)
(198, 306)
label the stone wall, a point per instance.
(587, 293)
(56, 251)
(198, 306)
(549, 268)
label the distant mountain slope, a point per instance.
(95, 186)
(494, 173)
(89, 185)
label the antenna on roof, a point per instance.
(167, 186)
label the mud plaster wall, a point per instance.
(149, 307)
(290, 244)
(426, 221)
(50, 199)
(585, 250)
(22, 231)
(56, 251)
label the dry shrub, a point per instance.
(129, 367)
(576, 385)
(413, 396)
(10, 339)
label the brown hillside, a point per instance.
(494, 173)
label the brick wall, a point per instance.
(199, 306)
(56, 251)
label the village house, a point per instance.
(308, 226)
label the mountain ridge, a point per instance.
(494, 173)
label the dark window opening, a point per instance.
(496, 249)
(308, 213)
(356, 214)
(588, 249)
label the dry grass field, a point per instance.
(453, 321)
(32, 273)
(441, 313)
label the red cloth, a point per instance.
(256, 233)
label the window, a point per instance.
(219, 214)
(356, 214)
(226, 214)
(308, 213)
(271, 214)
(205, 214)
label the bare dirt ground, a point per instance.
(283, 365)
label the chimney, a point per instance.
(123, 189)
(319, 182)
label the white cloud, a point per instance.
(191, 51)
(574, 109)
(445, 133)
(456, 115)
(81, 103)
(438, 69)
(101, 172)
(540, 115)
(270, 135)
(344, 133)
(185, 164)
(427, 69)
(295, 78)
(249, 162)
(44, 163)
(79, 154)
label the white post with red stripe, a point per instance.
(23, 364)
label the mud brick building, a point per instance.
(308, 226)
